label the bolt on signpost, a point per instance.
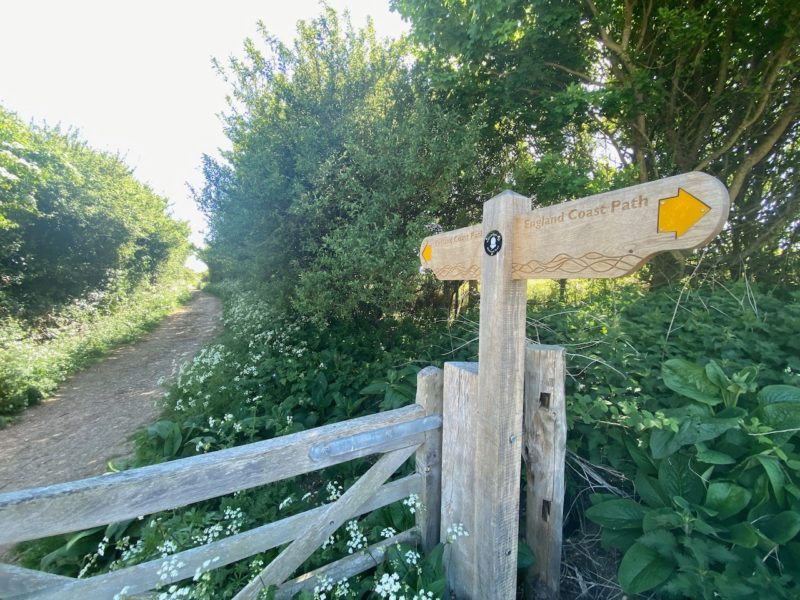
(602, 236)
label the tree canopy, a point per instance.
(339, 162)
(74, 220)
(664, 87)
(347, 150)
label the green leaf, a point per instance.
(114, 531)
(780, 528)
(525, 557)
(690, 380)
(650, 490)
(790, 557)
(774, 394)
(318, 387)
(782, 415)
(775, 474)
(617, 514)
(639, 456)
(619, 539)
(727, 498)
(161, 429)
(74, 539)
(435, 560)
(172, 443)
(662, 518)
(742, 534)
(747, 375)
(375, 389)
(643, 569)
(678, 478)
(660, 540)
(437, 588)
(716, 375)
(712, 457)
(705, 528)
(691, 430)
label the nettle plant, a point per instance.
(718, 513)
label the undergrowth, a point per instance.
(635, 433)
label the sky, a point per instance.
(136, 77)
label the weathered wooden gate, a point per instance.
(397, 435)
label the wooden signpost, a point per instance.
(602, 236)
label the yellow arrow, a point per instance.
(679, 213)
(427, 253)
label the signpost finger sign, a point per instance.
(602, 236)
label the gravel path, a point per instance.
(89, 421)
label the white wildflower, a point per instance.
(122, 594)
(388, 585)
(357, 539)
(456, 531)
(334, 490)
(413, 503)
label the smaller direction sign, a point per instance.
(602, 236)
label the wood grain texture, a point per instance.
(545, 450)
(145, 576)
(498, 412)
(459, 446)
(315, 533)
(454, 255)
(602, 236)
(18, 581)
(346, 567)
(615, 233)
(430, 383)
(41, 512)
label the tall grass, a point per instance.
(35, 359)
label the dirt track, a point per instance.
(89, 421)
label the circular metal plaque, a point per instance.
(493, 242)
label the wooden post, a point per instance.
(459, 448)
(429, 458)
(544, 449)
(501, 363)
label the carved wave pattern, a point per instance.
(591, 261)
(458, 272)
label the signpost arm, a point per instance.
(498, 412)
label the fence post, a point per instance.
(545, 426)
(459, 485)
(429, 458)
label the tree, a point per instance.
(339, 163)
(74, 220)
(671, 86)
